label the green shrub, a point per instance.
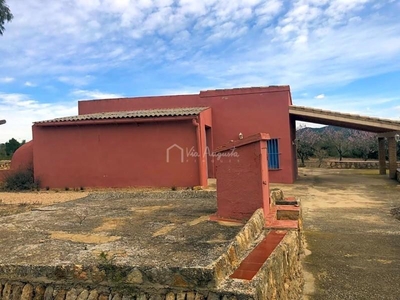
(21, 180)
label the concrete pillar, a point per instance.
(392, 145)
(382, 156)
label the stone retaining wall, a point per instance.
(346, 164)
(26, 291)
(279, 278)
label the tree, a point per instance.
(338, 139)
(3, 154)
(306, 140)
(363, 144)
(5, 15)
(11, 146)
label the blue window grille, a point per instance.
(273, 154)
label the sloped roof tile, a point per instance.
(148, 113)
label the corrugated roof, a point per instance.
(148, 113)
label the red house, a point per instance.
(168, 141)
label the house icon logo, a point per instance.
(172, 147)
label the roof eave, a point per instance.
(116, 121)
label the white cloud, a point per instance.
(20, 111)
(29, 84)
(103, 44)
(6, 79)
(76, 81)
(320, 96)
(94, 94)
(270, 41)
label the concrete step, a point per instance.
(287, 201)
(283, 224)
(282, 212)
(287, 212)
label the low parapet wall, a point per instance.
(346, 164)
(355, 164)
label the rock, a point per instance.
(27, 292)
(48, 294)
(17, 291)
(39, 292)
(93, 295)
(181, 296)
(141, 297)
(72, 294)
(212, 296)
(98, 275)
(180, 281)
(170, 296)
(199, 296)
(190, 296)
(103, 297)
(116, 297)
(60, 295)
(7, 291)
(83, 295)
(135, 277)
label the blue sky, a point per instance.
(341, 55)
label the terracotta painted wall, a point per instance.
(246, 167)
(115, 155)
(247, 111)
(23, 157)
(4, 174)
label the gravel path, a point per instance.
(352, 235)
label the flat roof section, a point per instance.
(353, 121)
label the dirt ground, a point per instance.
(353, 239)
(15, 203)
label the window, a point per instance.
(273, 154)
